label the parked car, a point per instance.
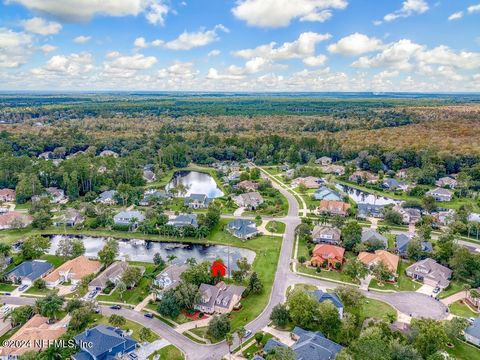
(471, 320)
(436, 290)
(22, 288)
(248, 333)
(133, 356)
(115, 307)
(148, 315)
(92, 294)
(73, 287)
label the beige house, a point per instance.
(113, 273)
(430, 273)
(220, 298)
(73, 270)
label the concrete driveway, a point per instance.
(427, 290)
(145, 351)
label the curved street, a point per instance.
(409, 303)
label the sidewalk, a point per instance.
(192, 325)
(263, 229)
(453, 298)
(144, 303)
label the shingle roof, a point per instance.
(474, 329)
(113, 271)
(103, 338)
(322, 296)
(314, 346)
(369, 235)
(32, 269)
(242, 227)
(271, 344)
(78, 267)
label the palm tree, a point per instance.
(121, 288)
(229, 341)
(191, 261)
(241, 332)
(323, 218)
(171, 257)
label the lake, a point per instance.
(363, 197)
(141, 250)
(195, 183)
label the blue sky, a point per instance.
(243, 45)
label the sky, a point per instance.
(240, 45)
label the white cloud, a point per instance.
(134, 62)
(179, 70)
(315, 60)
(395, 55)
(355, 44)
(82, 39)
(279, 13)
(251, 66)
(301, 48)
(214, 53)
(473, 8)
(83, 10)
(443, 55)
(71, 65)
(15, 47)
(214, 75)
(40, 26)
(48, 48)
(140, 42)
(190, 40)
(409, 8)
(456, 15)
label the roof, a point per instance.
(402, 241)
(368, 209)
(103, 338)
(107, 195)
(429, 268)
(208, 295)
(325, 193)
(251, 198)
(333, 205)
(327, 251)
(226, 294)
(369, 235)
(6, 219)
(440, 191)
(7, 192)
(271, 344)
(388, 259)
(78, 267)
(184, 220)
(474, 329)
(326, 232)
(113, 271)
(322, 296)
(170, 276)
(129, 214)
(314, 346)
(392, 183)
(37, 328)
(32, 269)
(242, 227)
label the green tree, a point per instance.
(351, 234)
(117, 320)
(355, 269)
(168, 305)
(121, 288)
(109, 252)
(69, 248)
(328, 318)
(381, 272)
(350, 296)
(34, 247)
(281, 353)
(145, 334)
(229, 341)
(454, 328)
(81, 317)
(49, 306)
(430, 336)
(132, 276)
(414, 250)
(303, 309)
(255, 286)
(279, 315)
(187, 295)
(219, 326)
(28, 186)
(241, 333)
(198, 274)
(20, 315)
(158, 260)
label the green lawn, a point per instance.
(276, 227)
(169, 352)
(202, 333)
(325, 274)
(129, 325)
(254, 348)
(464, 351)
(454, 287)
(34, 291)
(404, 283)
(7, 287)
(376, 309)
(460, 309)
(55, 260)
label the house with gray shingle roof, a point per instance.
(250, 200)
(403, 240)
(197, 201)
(129, 218)
(243, 229)
(103, 343)
(370, 210)
(183, 220)
(311, 345)
(107, 197)
(220, 298)
(324, 193)
(446, 181)
(472, 332)
(323, 296)
(112, 273)
(370, 236)
(430, 273)
(326, 235)
(440, 194)
(29, 271)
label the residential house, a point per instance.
(29, 271)
(56, 195)
(107, 197)
(440, 194)
(402, 173)
(7, 195)
(393, 184)
(474, 217)
(248, 185)
(289, 174)
(447, 182)
(311, 345)
(271, 344)
(403, 240)
(130, 218)
(473, 299)
(153, 196)
(14, 220)
(430, 273)
(323, 296)
(324, 193)
(103, 343)
(333, 207)
(220, 298)
(183, 220)
(250, 200)
(444, 217)
(363, 176)
(47, 155)
(334, 169)
(105, 153)
(170, 277)
(472, 332)
(242, 228)
(310, 182)
(410, 215)
(73, 270)
(326, 234)
(324, 161)
(327, 254)
(35, 335)
(371, 236)
(232, 177)
(113, 274)
(365, 211)
(71, 217)
(372, 259)
(197, 201)
(149, 176)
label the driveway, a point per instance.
(427, 290)
(413, 304)
(145, 351)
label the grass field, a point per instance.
(460, 309)
(129, 325)
(7, 287)
(376, 309)
(168, 352)
(404, 283)
(276, 227)
(464, 351)
(454, 287)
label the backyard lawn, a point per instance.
(202, 333)
(454, 287)
(404, 283)
(464, 351)
(168, 352)
(460, 309)
(376, 309)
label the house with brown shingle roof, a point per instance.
(333, 207)
(73, 270)
(35, 335)
(327, 253)
(388, 259)
(7, 195)
(248, 185)
(14, 219)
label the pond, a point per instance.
(195, 183)
(363, 197)
(141, 250)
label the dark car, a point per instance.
(115, 307)
(148, 315)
